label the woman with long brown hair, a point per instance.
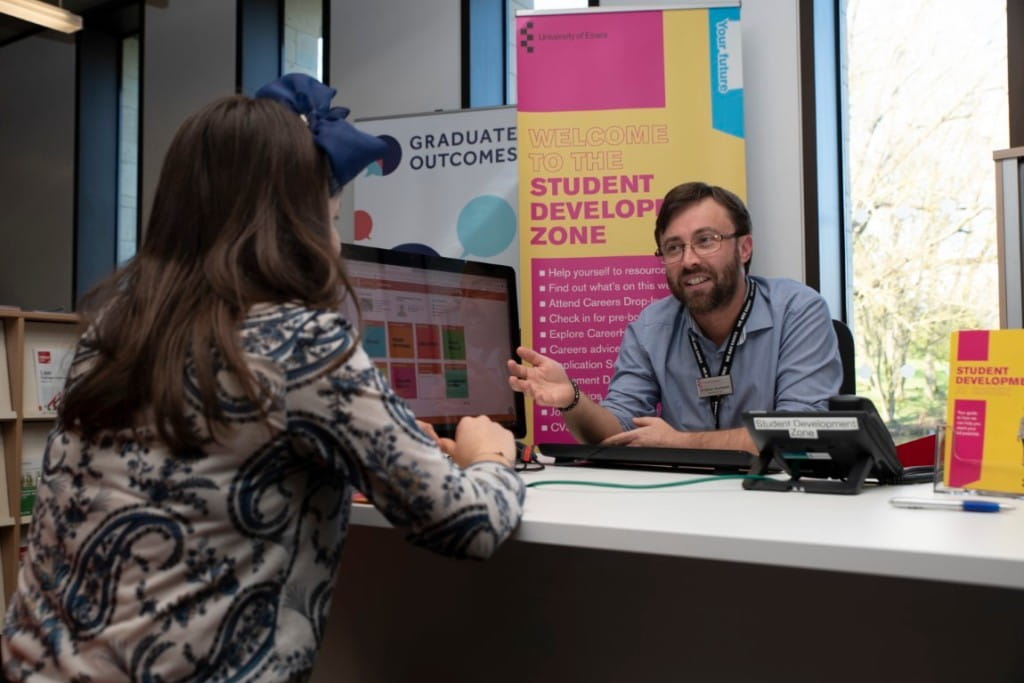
(218, 416)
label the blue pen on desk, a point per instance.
(941, 504)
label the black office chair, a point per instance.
(846, 355)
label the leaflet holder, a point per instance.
(830, 452)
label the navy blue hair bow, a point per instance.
(349, 150)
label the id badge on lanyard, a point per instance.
(714, 387)
(708, 387)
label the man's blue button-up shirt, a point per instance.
(787, 359)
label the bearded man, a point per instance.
(724, 343)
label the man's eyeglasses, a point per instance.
(704, 244)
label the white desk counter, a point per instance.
(707, 582)
(722, 521)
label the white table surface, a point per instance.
(721, 521)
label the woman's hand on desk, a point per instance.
(477, 439)
(480, 438)
(544, 379)
(447, 446)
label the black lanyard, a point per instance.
(730, 347)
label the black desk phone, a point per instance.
(824, 452)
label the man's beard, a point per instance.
(723, 289)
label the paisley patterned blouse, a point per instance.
(219, 565)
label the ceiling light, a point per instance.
(42, 13)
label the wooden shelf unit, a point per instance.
(23, 331)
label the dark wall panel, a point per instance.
(188, 60)
(37, 151)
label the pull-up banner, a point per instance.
(615, 108)
(447, 185)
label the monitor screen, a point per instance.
(441, 331)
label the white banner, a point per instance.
(448, 186)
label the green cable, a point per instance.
(687, 482)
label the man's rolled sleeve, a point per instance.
(634, 388)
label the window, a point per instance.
(927, 105)
(303, 49)
(128, 151)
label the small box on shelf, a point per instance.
(32, 450)
(29, 486)
(47, 356)
(51, 365)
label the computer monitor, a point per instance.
(441, 331)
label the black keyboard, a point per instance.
(647, 456)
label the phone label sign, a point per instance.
(806, 427)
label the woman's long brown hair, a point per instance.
(240, 217)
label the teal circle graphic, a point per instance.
(486, 226)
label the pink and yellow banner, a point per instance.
(614, 109)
